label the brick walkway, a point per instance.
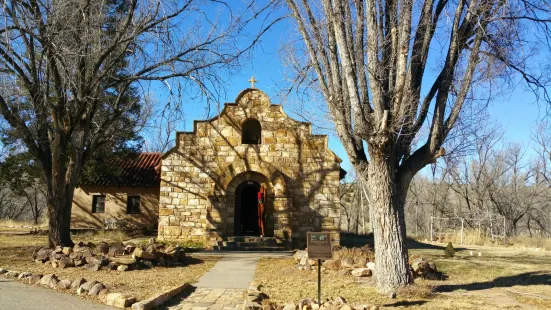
(209, 299)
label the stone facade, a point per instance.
(201, 175)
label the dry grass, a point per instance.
(100, 235)
(503, 277)
(15, 254)
(532, 242)
(474, 237)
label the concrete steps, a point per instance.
(249, 243)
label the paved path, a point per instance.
(225, 285)
(230, 272)
(208, 299)
(16, 295)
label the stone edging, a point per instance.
(254, 297)
(79, 286)
(159, 299)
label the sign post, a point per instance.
(319, 247)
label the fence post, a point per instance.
(462, 219)
(504, 229)
(431, 228)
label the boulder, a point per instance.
(305, 304)
(370, 266)
(94, 291)
(332, 264)
(139, 253)
(361, 272)
(123, 268)
(123, 302)
(67, 250)
(12, 274)
(65, 262)
(79, 262)
(116, 249)
(303, 261)
(49, 280)
(299, 255)
(24, 275)
(102, 295)
(77, 283)
(129, 248)
(111, 266)
(34, 279)
(92, 267)
(64, 284)
(340, 300)
(43, 255)
(111, 297)
(87, 286)
(54, 263)
(85, 252)
(103, 247)
(2, 271)
(58, 249)
(123, 260)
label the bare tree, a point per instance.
(72, 64)
(369, 60)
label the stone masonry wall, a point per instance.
(199, 176)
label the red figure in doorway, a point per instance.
(261, 201)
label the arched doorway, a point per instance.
(249, 215)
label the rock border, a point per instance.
(79, 286)
(160, 299)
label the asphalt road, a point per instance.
(19, 296)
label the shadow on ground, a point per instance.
(176, 300)
(358, 240)
(523, 279)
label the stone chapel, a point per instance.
(250, 171)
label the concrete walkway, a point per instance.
(225, 285)
(16, 295)
(230, 272)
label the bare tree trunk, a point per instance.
(386, 206)
(60, 201)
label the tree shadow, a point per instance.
(176, 300)
(406, 303)
(359, 240)
(523, 279)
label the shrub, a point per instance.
(449, 251)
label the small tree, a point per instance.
(449, 251)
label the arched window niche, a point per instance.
(251, 132)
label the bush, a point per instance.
(449, 251)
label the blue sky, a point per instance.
(517, 111)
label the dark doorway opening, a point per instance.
(246, 209)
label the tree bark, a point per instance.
(60, 202)
(386, 207)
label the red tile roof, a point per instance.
(141, 170)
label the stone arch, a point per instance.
(276, 178)
(231, 198)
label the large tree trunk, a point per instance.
(386, 206)
(59, 214)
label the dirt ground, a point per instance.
(16, 250)
(501, 278)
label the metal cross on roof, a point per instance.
(252, 80)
